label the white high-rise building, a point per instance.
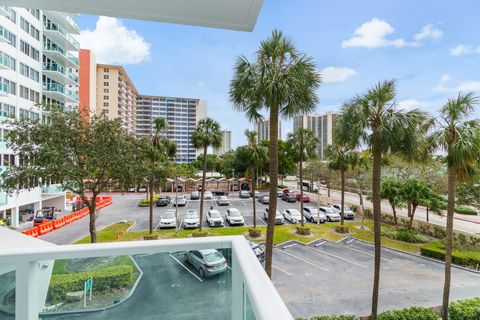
(226, 143)
(38, 69)
(262, 128)
(322, 126)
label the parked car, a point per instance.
(264, 199)
(180, 201)
(332, 215)
(258, 249)
(223, 201)
(244, 194)
(287, 191)
(191, 220)
(278, 216)
(208, 262)
(313, 215)
(218, 193)
(289, 197)
(293, 215)
(347, 212)
(142, 189)
(305, 198)
(208, 195)
(279, 193)
(163, 201)
(195, 195)
(167, 220)
(233, 216)
(131, 189)
(215, 219)
(256, 195)
(235, 187)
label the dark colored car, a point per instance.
(218, 193)
(289, 197)
(163, 201)
(195, 195)
(258, 249)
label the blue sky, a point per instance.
(432, 47)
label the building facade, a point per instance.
(262, 128)
(226, 143)
(116, 96)
(87, 105)
(322, 126)
(182, 115)
(38, 69)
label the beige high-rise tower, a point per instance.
(322, 126)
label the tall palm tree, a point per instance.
(283, 81)
(257, 157)
(302, 145)
(373, 119)
(206, 134)
(161, 151)
(460, 138)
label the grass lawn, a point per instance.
(282, 233)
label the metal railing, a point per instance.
(250, 285)
(65, 53)
(60, 69)
(50, 26)
(55, 87)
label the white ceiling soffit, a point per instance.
(225, 14)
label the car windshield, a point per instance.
(168, 215)
(328, 210)
(194, 193)
(294, 213)
(235, 213)
(215, 214)
(313, 210)
(213, 256)
(191, 215)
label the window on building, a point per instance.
(29, 50)
(13, 15)
(106, 76)
(106, 70)
(105, 97)
(35, 13)
(105, 84)
(24, 114)
(106, 90)
(105, 104)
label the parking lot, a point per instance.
(336, 278)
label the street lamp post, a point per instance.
(176, 205)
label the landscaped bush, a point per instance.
(331, 318)
(466, 210)
(461, 257)
(368, 213)
(104, 279)
(404, 235)
(342, 229)
(354, 208)
(254, 233)
(304, 231)
(465, 309)
(198, 234)
(145, 202)
(413, 313)
(150, 237)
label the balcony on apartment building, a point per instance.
(60, 35)
(59, 92)
(60, 74)
(5, 35)
(6, 62)
(60, 55)
(63, 19)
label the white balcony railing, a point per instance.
(251, 293)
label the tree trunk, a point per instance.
(272, 207)
(91, 208)
(377, 219)
(342, 201)
(253, 199)
(151, 208)
(452, 177)
(204, 178)
(394, 211)
(300, 171)
(410, 223)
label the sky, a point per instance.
(431, 47)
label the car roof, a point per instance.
(192, 210)
(234, 209)
(207, 251)
(214, 210)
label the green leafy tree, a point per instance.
(206, 134)
(84, 157)
(391, 190)
(283, 81)
(415, 192)
(375, 121)
(186, 170)
(459, 137)
(257, 156)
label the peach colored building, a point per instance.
(87, 105)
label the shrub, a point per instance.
(439, 232)
(342, 229)
(413, 313)
(461, 257)
(304, 231)
(104, 279)
(332, 318)
(465, 309)
(198, 234)
(404, 235)
(466, 210)
(150, 237)
(145, 202)
(254, 233)
(354, 208)
(368, 213)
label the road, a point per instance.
(420, 214)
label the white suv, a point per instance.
(215, 219)
(278, 216)
(313, 215)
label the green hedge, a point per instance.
(404, 235)
(332, 318)
(104, 279)
(466, 210)
(145, 202)
(437, 250)
(413, 313)
(465, 309)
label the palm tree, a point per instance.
(391, 190)
(374, 120)
(206, 134)
(257, 156)
(161, 151)
(283, 81)
(302, 145)
(460, 138)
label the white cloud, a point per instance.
(463, 49)
(445, 85)
(200, 83)
(373, 34)
(114, 43)
(410, 104)
(336, 74)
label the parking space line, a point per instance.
(338, 257)
(185, 267)
(261, 219)
(275, 267)
(366, 253)
(301, 259)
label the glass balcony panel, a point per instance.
(7, 291)
(57, 52)
(60, 34)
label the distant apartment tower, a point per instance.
(116, 96)
(321, 125)
(226, 143)
(182, 115)
(262, 128)
(87, 105)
